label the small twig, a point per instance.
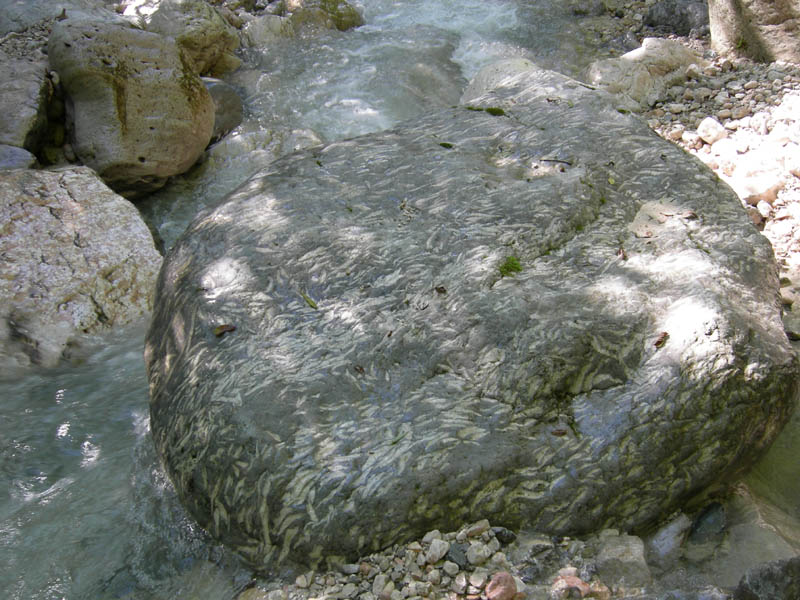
(556, 160)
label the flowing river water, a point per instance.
(85, 509)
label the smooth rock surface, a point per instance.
(201, 32)
(24, 92)
(12, 157)
(228, 109)
(137, 112)
(643, 75)
(529, 308)
(76, 258)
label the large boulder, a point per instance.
(138, 113)
(202, 33)
(764, 30)
(529, 308)
(641, 77)
(77, 258)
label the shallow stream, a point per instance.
(85, 510)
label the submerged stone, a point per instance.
(385, 378)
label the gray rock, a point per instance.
(621, 561)
(137, 112)
(24, 92)
(77, 258)
(478, 553)
(778, 580)
(664, 546)
(12, 157)
(437, 551)
(206, 38)
(679, 16)
(19, 15)
(228, 109)
(530, 307)
(264, 30)
(642, 76)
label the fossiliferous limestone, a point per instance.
(528, 309)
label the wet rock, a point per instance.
(679, 16)
(587, 8)
(228, 109)
(778, 580)
(325, 14)
(77, 258)
(642, 76)
(207, 40)
(349, 375)
(137, 113)
(265, 30)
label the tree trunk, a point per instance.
(763, 30)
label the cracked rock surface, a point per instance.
(528, 308)
(76, 257)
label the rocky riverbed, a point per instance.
(754, 107)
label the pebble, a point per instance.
(710, 130)
(478, 553)
(450, 568)
(501, 587)
(437, 551)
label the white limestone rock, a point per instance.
(201, 32)
(77, 258)
(137, 113)
(641, 77)
(711, 130)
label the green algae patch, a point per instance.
(510, 266)
(495, 111)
